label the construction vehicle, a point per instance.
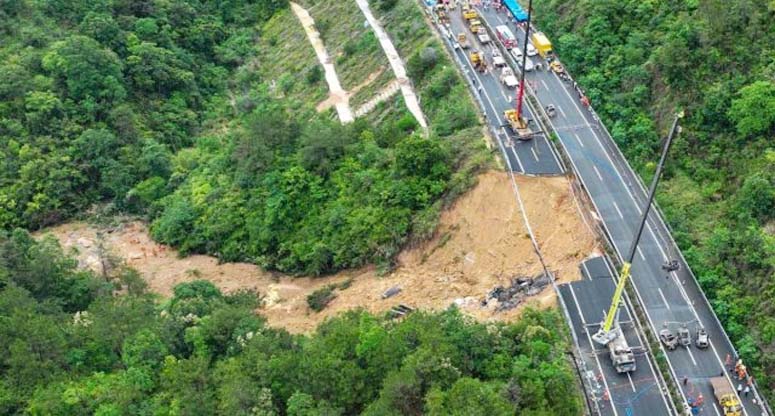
(462, 40)
(542, 44)
(726, 397)
(468, 13)
(610, 331)
(518, 124)
(477, 59)
(621, 355)
(476, 26)
(508, 78)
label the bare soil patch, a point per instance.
(481, 242)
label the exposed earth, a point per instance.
(480, 243)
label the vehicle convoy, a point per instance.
(542, 45)
(726, 397)
(506, 37)
(508, 79)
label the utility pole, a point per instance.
(521, 93)
(608, 332)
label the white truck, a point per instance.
(497, 59)
(621, 354)
(507, 77)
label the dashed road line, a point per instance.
(599, 176)
(618, 211)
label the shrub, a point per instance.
(320, 298)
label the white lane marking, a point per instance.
(562, 111)
(578, 139)
(584, 265)
(519, 162)
(691, 356)
(664, 299)
(480, 87)
(594, 134)
(715, 407)
(505, 97)
(533, 151)
(544, 84)
(618, 211)
(591, 344)
(640, 253)
(629, 377)
(599, 176)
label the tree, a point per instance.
(754, 110)
(86, 72)
(469, 396)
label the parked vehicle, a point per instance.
(668, 338)
(517, 54)
(508, 79)
(497, 59)
(703, 340)
(506, 36)
(726, 396)
(528, 65)
(542, 44)
(551, 111)
(531, 50)
(684, 337)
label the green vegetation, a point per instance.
(71, 346)
(638, 61)
(201, 118)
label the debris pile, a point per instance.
(505, 298)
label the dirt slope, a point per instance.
(481, 243)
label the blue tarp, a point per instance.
(515, 10)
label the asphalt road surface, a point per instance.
(669, 300)
(535, 156)
(631, 394)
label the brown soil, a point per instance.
(481, 242)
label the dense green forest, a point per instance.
(639, 61)
(72, 343)
(177, 111)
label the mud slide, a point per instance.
(481, 243)
(338, 95)
(396, 63)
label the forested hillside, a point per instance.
(639, 62)
(70, 346)
(201, 117)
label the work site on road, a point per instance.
(387, 207)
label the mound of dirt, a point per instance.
(481, 243)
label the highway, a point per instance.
(669, 300)
(533, 157)
(631, 394)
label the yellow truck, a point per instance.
(726, 397)
(542, 45)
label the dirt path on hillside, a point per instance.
(396, 63)
(337, 94)
(481, 243)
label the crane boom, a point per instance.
(606, 334)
